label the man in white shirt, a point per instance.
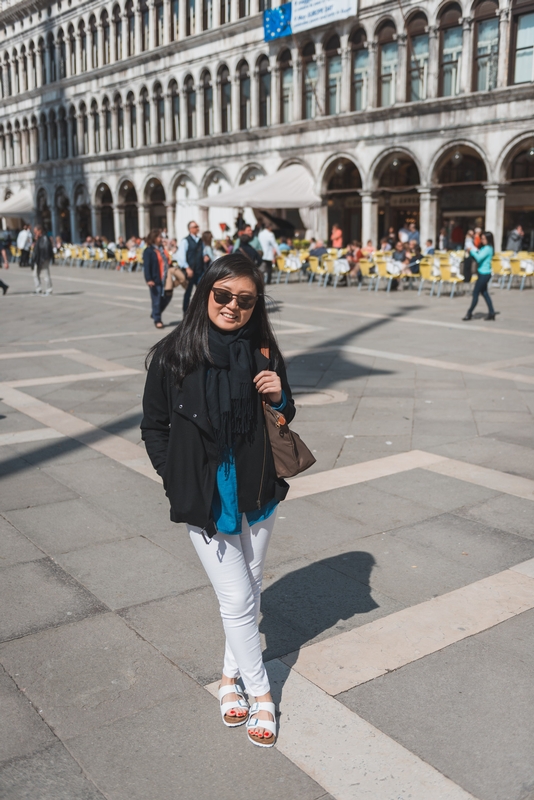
(269, 249)
(24, 243)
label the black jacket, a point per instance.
(42, 251)
(181, 446)
(151, 265)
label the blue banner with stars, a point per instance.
(277, 22)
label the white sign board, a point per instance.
(306, 14)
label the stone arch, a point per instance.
(128, 207)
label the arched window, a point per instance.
(24, 69)
(25, 142)
(108, 136)
(16, 71)
(106, 38)
(10, 149)
(360, 70)
(94, 42)
(225, 10)
(119, 111)
(160, 112)
(522, 44)
(8, 86)
(72, 50)
(32, 63)
(244, 8)
(52, 128)
(96, 126)
(132, 115)
(43, 137)
(42, 59)
(83, 46)
(309, 86)
(35, 154)
(226, 99)
(62, 134)
(17, 139)
(207, 91)
(175, 110)
(62, 51)
(84, 144)
(3, 160)
(418, 53)
(160, 21)
(191, 105)
(175, 20)
(333, 75)
(486, 46)
(387, 64)
(451, 37)
(190, 19)
(145, 25)
(117, 31)
(207, 14)
(52, 56)
(286, 87)
(73, 132)
(244, 96)
(145, 103)
(264, 80)
(130, 13)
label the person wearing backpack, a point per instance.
(42, 255)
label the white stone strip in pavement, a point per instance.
(96, 362)
(357, 656)
(401, 317)
(509, 362)
(483, 476)
(116, 447)
(343, 753)
(97, 336)
(106, 296)
(128, 287)
(80, 376)
(360, 473)
(121, 305)
(35, 435)
(38, 354)
(433, 363)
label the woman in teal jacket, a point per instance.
(483, 258)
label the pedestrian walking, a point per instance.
(269, 249)
(483, 259)
(24, 244)
(155, 266)
(4, 286)
(191, 260)
(42, 255)
(205, 433)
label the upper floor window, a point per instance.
(207, 91)
(388, 59)
(523, 34)
(359, 72)
(72, 50)
(160, 113)
(451, 35)
(190, 17)
(244, 8)
(226, 11)
(83, 46)
(418, 53)
(486, 46)
(175, 110)
(145, 25)
(94, 43)
(84, 144)
(16, 72)
(207, 14)
(32, 63)
(62, 134)
(333, 75)
(132, 114)
(106, 38)
(106, 111)
(24, 61)
(160, 22)
(286, 87)
(145, 110)
(96, 126)
(244, 97)
(309, 85)
(226, 99)
(117, 31)
(175, 20)
(131, 28)
(52, 57)
(62, 47)
(73, 132)
(191, 107)
(264, 78)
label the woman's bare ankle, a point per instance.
(226, 681)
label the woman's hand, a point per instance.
(268, 383)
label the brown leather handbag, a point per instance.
(290, 454)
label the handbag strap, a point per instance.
(281, 419)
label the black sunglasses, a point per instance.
(223, 298)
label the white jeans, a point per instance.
(44, 272)
(234, 564)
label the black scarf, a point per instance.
(230, 391)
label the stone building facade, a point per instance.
(120, 116)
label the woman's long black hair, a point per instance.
(186, 348)
(489, 238)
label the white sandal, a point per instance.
(241, 702)
(267, 724)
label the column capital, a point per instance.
(432, 30)
(401, 38)
(503, 14)
(466, 23)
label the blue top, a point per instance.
(224, 507)
(483, 258)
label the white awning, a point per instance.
(291, 187)
(17, 205)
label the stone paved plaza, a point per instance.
(398, 606)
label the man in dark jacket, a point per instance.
(42, 255)
(515, 239)
(155, 267)
(191, 259)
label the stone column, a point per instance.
(121, 217)
(166, 21)
(433, 61)
(182, 19)
(34, 138)
(504, 47)
(466, 76)
(151, 25)
(117, 221)
(297, 85)
(369, 216)
(400, 89)
(346, 60)
(170, 206)
(235, 102)
(198, 17)
(95, 221)
(234, 11)
(73, 225)
(320, 89)
(428, 204)
(216, 13)
(145, 217)
(372, 79)
(254, 99)
(494, 219)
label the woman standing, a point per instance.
(483, 259)
(205, 434)
(156, 265)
